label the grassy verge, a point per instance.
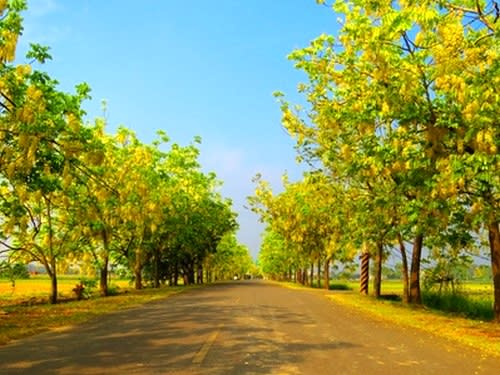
(481, 335)
(19, 319)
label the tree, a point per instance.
(402, 100)
(229, 260)
(309, 216)
(40, 133)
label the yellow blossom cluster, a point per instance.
(8, 45)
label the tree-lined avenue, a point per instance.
(247, 327)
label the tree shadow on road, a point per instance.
(205, 331)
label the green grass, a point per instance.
(459, 303)
(473, 300)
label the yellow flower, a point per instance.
(23, 70)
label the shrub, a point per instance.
(85, 288)
(16, 271)
(459, 303)
(113, 290)
(339, 286)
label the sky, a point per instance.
(190, 68)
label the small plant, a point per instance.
(84, 288)
(113, 290)
(79, 289)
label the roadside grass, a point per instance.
(28, 312)
(454, 323)
(477, 307)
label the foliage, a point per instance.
(70, 193)
(447, 273)
(13, 272)
(402, 113)
(231, 259)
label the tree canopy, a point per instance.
(70, 192)
(401, 111)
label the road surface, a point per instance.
(246, 327)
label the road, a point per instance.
(247, 327)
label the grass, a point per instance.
(479, 307)
(474, 301)
(24, 311)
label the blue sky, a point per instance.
(197, 67)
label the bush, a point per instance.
(459, 303)
(339, 286)
(113, 290)
(13, 272)
(85, 288)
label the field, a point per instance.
(39, 287)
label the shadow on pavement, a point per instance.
(163, 337)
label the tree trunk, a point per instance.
(53, 266)
(156, 268)
(494, 238)
(415, 296)
(176, 275)
(365, 273)
(207, 275)
(103, 277)
(200, 274)
(377, 280)
(189, 278)
(326, 273)
(53, 284)
(103, 270)
(311, 280)
(138, 270)
(404, 260)
(319, 272)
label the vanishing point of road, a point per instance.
(247, 327)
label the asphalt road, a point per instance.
(240, 328)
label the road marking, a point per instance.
(200, 356)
